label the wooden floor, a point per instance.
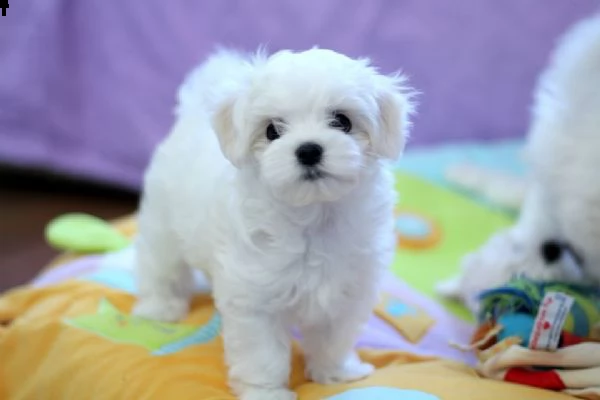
(28, 200)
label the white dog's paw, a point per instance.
(351, 371)
(165, 309)
(254, 393)
(449, 288)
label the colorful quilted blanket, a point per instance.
(70, 335)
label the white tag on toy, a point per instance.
(550, 320)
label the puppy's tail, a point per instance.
(219, 78)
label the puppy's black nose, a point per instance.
(551, 251)
(309, 154)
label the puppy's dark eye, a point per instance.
(271, 132)
(341, 121)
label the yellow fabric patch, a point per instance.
(410, 321)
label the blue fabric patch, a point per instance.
(519, 325)
(413, 226)
(116, 278)
(204, 334)
(398, 309)
(383, 393)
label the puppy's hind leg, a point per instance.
(165, 283)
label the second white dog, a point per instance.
(274, 182)
(562, 200)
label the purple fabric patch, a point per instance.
(381, 335)
(71, 270)
(87, 87)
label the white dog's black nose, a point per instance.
(309, 154)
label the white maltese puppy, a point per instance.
(562, 202)
(273, 181)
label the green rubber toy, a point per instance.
(84, 233)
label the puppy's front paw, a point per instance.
(165, 309)
(351, 371)
(267, 394)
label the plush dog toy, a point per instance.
(543, 334)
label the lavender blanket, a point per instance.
(87, 87)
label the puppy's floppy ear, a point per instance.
(395, 106)
(233, 146)
(234, 71)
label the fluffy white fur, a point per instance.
(563, 196)
(281, 251)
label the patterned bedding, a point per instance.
(70, 331)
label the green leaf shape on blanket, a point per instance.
(114, 325)
(84, 233)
